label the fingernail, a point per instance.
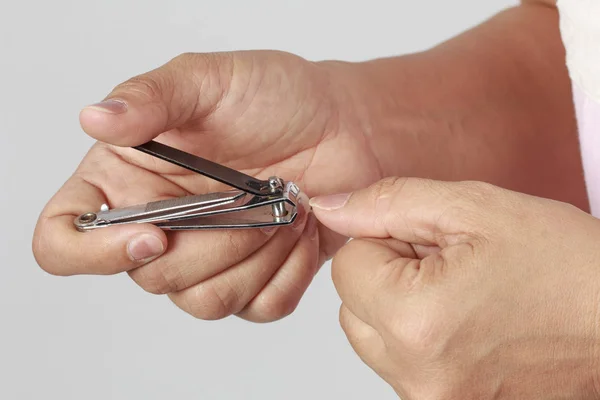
(300, 223)
(110, 106)
(311, 227)
(144, 247)
(304, 202)
(331, 202)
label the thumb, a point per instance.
(417, 211)
(141, 108)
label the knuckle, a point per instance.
(42, 255)
(340, 259)
(356, 331)
(387, 187)
(344, 318)
(417, 335)
(468, 208)
(158, 279)
(209, 302)
(468, 252)
(208, 75)
(273, 307)
(344, 259)
(402, 274)
(191, 62)
(479, 194)
(147, 86)
(420, 332)
(184, 57)
(200, 60)
(435, 266)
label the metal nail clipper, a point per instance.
(252, 203)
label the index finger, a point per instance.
(371, 277)
(60, 249)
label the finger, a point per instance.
(195, 256)
(371, 348)
(123, 184)
(186, 88)
(422, 251)
(230, 291)
(372, 277)
(367, 343)
(281, 295)
(417, 211)
(60, 249)
(329, 243)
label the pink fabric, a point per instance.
(588, 119)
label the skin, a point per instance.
(491, 105)
(464, 290)
(478, 108)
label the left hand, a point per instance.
(468, 291)
(261, 112)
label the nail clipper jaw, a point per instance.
(278, 209)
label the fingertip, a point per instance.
(283, 293)
(301, 220)
(332, 219)
(118, 249)
(146, 246)
(312, 226)
(103, 124)
(121, 122)
(331, 211)
(61, 250)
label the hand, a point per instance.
(263, 113)
(468, 291)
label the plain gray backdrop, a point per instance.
(104, 337)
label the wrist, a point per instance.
(380, 106)
(493, 104)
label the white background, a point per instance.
(104, 337)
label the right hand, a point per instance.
(264, 113)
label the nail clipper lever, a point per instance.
(253, 203)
